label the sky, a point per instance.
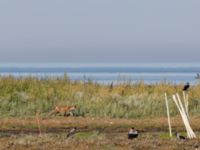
(99, 31)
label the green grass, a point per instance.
(20, 97)
(165, 135)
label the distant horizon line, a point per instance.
(96, 64)
(99, 62)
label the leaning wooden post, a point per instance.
(168, 115)
(187, 121)
(184, 116)
(185, 98)
(176, 102)
(187, 104)
(180, 107)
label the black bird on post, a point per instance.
(186, 86)
(132, 134)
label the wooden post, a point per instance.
(182, 111)
(187, 104)
(184, 116)
(168, 115)
(176, 102)
(191, 132)
(185, 99)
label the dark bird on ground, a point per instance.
(71, 132)
(186, 86)
(180, 137)
(132, 134)
(196, 146)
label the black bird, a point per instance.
(186, 86)
(71, 132)
(196, 146)
(180, 137)
(132, 134)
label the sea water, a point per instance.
(105, 73)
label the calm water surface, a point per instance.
(107, 72)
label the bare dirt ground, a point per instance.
(93, 133)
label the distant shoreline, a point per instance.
(85, 79)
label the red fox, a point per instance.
(67, 110)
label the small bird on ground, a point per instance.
(196, 146)
(132, 134)
(71, 132)
(180, 137)
(186, 86)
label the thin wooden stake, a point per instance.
(176, 102)
(168, 115)
(185, 99)
(182, 111)
(187, 104)
(186, 118)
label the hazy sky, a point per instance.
(99, 30)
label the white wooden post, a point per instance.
(186, 119)
(187, 104)
(168, 115)
(176, 102)
(185, 99)
(182, 111)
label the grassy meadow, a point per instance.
(103, 117)
(25, 96)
